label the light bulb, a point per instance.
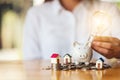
(101, 22)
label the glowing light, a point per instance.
(101, 22)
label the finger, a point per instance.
(105, 52)
(106, 39)
(105, 45)
(114, 41)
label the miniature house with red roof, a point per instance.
(55, 58)
(67, 59)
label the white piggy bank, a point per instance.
(81, 53)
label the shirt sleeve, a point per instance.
(31, 47)
(115, 11)
(116, 22)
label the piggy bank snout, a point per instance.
(83, 56)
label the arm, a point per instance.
(31, 47)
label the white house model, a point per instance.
(67, 59)
(99, 63)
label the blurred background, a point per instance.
(12, 15)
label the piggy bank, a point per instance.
(81, 53)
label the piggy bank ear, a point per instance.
(76, 44)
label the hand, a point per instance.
(107, 46)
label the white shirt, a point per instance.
(50, 28)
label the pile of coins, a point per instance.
(81, 66)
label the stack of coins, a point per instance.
(56, 66)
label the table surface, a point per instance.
(35, 70)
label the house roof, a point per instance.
(101, 59)
(54, 55)
(67, 55)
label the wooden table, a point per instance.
(34, 70)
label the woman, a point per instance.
(55, 25)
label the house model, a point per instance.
(99, 63)
(67, 59)
(55, 61)
(55, 58)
